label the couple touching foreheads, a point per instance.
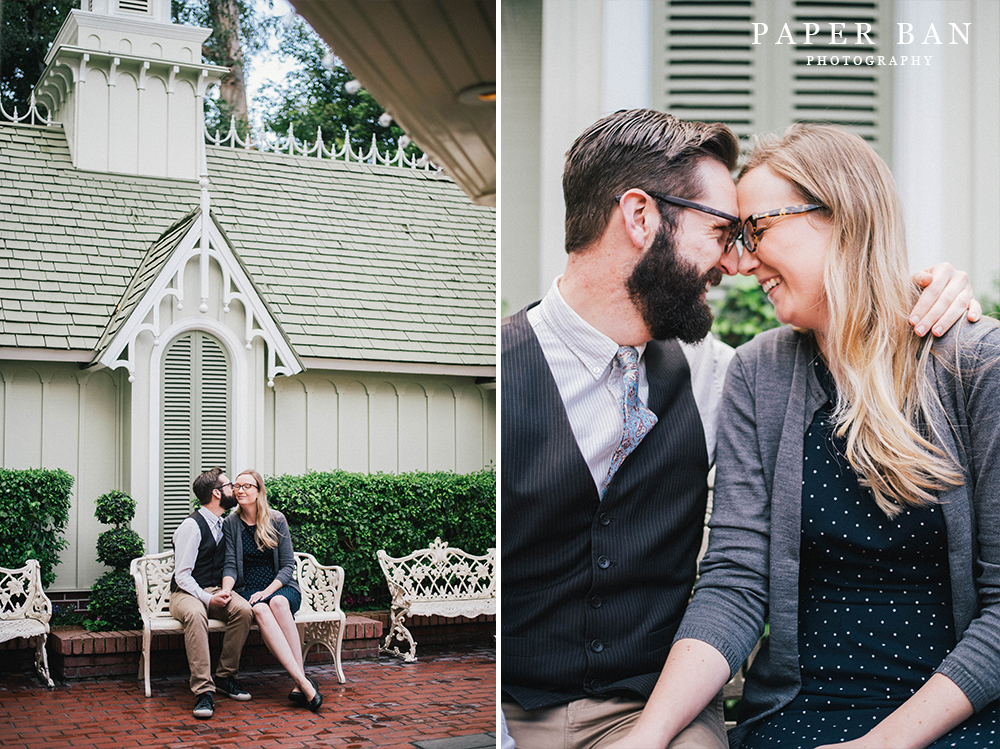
(240, 570)
(856, 506)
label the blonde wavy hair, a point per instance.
(880, 367)
(265, 535)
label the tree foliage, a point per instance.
(239, 32)
(313, 97)
(27, 28)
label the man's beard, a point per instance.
(228, 501)
(667, 290)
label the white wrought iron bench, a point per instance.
(436, 581)
(25, 611)
(320, 618)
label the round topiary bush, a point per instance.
(118, 547)
(115, 508)
(113, 604)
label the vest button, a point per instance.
(596, 602)
(603, 562)
(597, 646)
(604, 519)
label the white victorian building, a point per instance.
(166, 306)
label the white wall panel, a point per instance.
(383, 432)
(441, 428)
(412, 428)
(23, 443)
(468, 429)
(98, 472)
(354, 427)
(291, 436)
(322, 425)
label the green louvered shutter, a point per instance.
(195, 422)
(706, 68)
(703, 62)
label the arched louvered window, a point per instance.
(706, 68)
(196, 419)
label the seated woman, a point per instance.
(857, 499)
(260, 566)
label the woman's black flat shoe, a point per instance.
(316, 702)
(300, 699)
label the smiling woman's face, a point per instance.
(791, 250)
(246, 494)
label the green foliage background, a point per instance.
(34, 513)
(344, 518)
(743, 312)
(991, 307)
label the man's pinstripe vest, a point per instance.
(592, 591)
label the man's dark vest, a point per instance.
(207, 570)
(593, 590)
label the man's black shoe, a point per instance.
(231, 688)
(205, 706)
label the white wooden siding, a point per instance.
(55, 415)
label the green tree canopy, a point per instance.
(27, 28)
(313, 96)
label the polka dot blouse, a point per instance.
(875, 615)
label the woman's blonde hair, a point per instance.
(265, 535)
(879, 365)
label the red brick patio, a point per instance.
(449, 692)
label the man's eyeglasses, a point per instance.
(751, 234)
(244, 487)
(220, 487)
(734, 221)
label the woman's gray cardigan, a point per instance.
(750, 573)
(284, 559)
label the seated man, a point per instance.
(199, 556)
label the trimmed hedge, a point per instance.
(344, 518)
(34, 513)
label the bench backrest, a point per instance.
(321, 586)
(21, 594)
(440, 573)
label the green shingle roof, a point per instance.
(356, 261)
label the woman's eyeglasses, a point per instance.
(751, 234)
(244, 487)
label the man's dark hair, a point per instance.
(637, 148)
(205, 484)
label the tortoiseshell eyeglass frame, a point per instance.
(749, 236)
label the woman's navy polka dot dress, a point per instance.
(875, 616)
(259, 572)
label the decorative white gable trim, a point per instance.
(204, 241)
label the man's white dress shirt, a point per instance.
(581, 360)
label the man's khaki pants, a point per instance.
(193, 616)
(591, 724)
